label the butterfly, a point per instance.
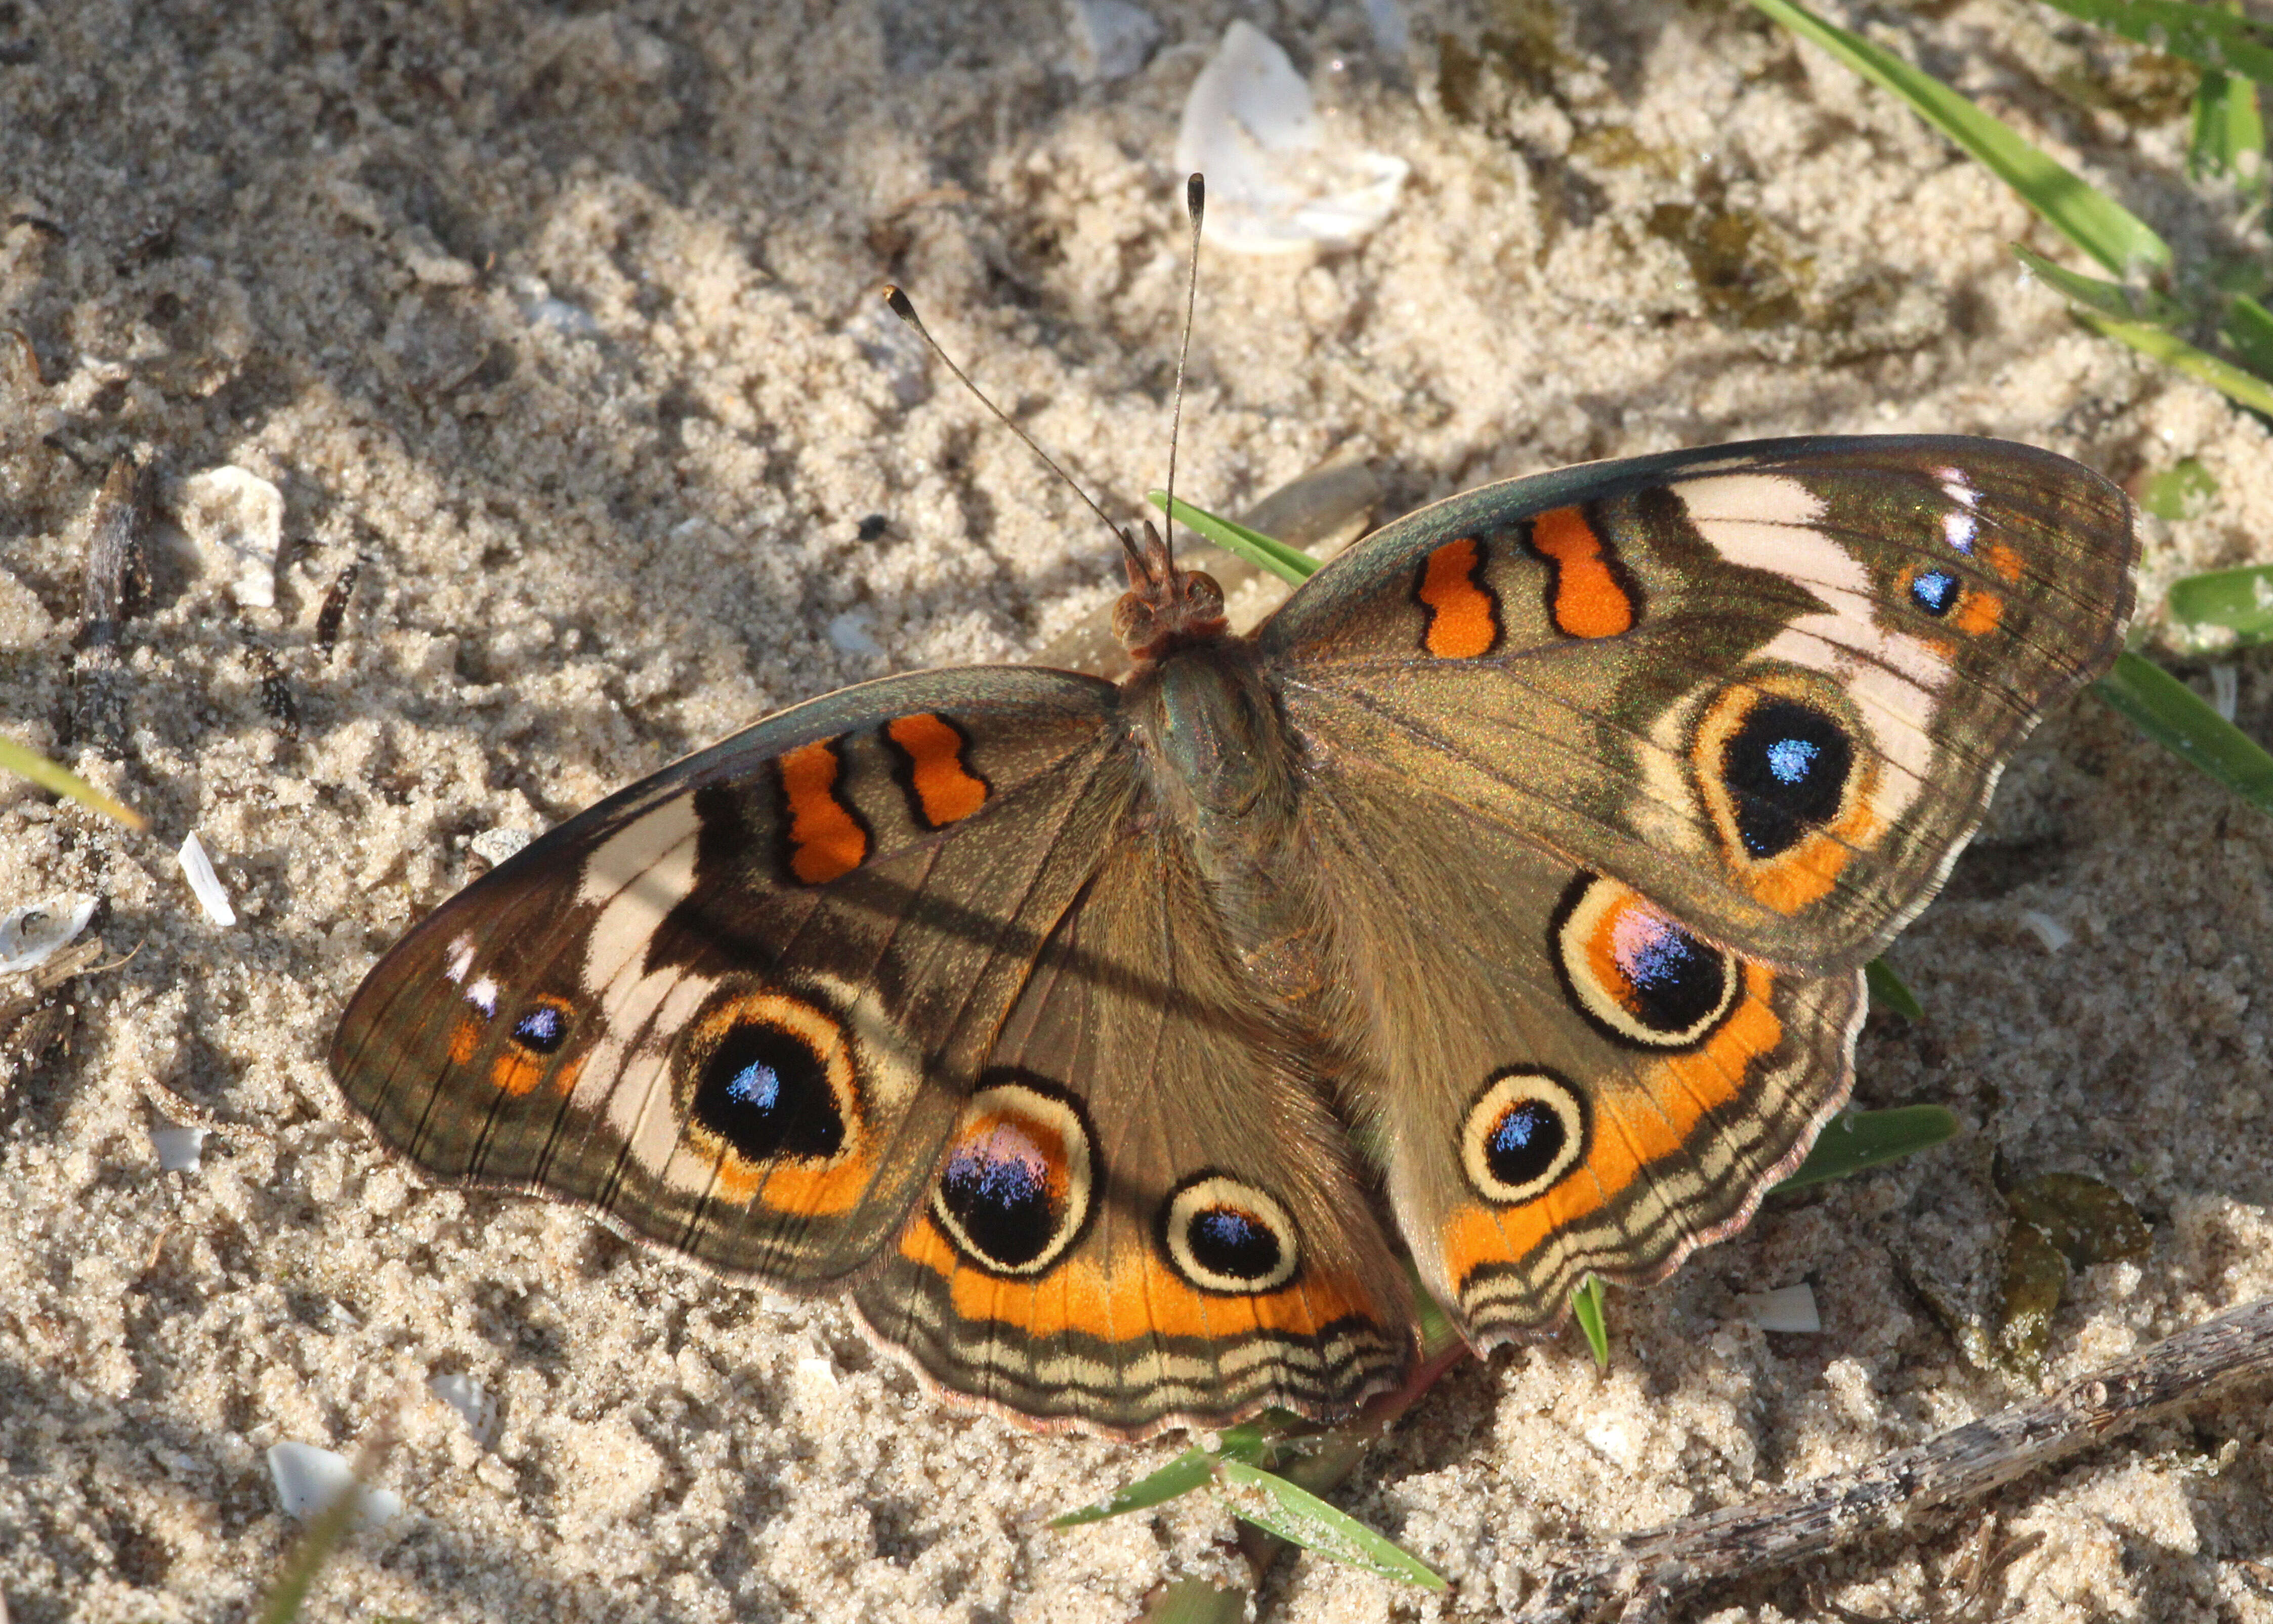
(1499, 904)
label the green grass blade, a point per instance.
(2229, 131)
(1587, 1307)
(1188, 1472)
(29, 763)
(2179, 491)
(2208, 35)
(1889, 992)
(1860, 1140)
(2109, 299)
(2181, 721)
(2085, 215)
(1300, 1517)
(1264, 551)
(2248, 327)
(2240, 600)
(2173, 351)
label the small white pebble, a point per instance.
(1786, 1308)
(205, 883)
(469, 1399)
(309, 1480)
(849, 632)
(2046, 930)
(29, 936)
(497, 845)
(237, 519)
(180, 1150)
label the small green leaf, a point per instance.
(1265, 552)
(2179, 491)
(2109, 299)
(31, 764)
(2240, 600)
(2181, 721)
(2085, 215)
(1587, 1307)
(1889, 992)
(1858, 1139)
(2208, 35)
(2168, 348)
(1300, 1517)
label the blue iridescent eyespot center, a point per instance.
(1935, 591)
(765, 1091)
(1786, 768)
(1673, 979)
(1233, 1243)
(542, 1029)
(1525, 1142)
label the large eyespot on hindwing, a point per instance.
(769, 1087)
(1525, 1130)
(1225, 1235)
(1785, 773)
(1639, 976)
(1016, 1188)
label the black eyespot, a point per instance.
(542, 1030)
(1226, 1236)
(1936, 592)
(1635, 972)
(765, 1091)
(1523, 1142)
(1227, 1241)
(1002, 1205)
(1786, 769)
(1525, 1130)
(1014, 1191)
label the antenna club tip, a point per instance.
(901, 305)
(1195, 195)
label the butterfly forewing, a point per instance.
(1774, 683)
(738, 1007)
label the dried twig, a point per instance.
(1638, 1577)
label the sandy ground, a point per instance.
(558, 322)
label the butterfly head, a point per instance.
(1165, 607)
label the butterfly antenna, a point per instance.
(1196, 206)
(906, 311)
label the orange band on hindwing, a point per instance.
(1463, 613)
(825, 838)
(1586, 595)
(941, 789)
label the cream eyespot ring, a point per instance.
(1522, 1136)
(1226, 1236)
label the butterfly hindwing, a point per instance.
(1147, 1213)
(1774, 682)
(737, 1006)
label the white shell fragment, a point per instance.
(1111, 38)
(205, 883)
(849, 633)
(2046, 930)
(1786, 1308)
(30, 936)
(180, 1150)
(1275, 184)
(309, 1481)
(494, 846)
(237, 519)
(474, 1406)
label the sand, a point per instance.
(558, 323)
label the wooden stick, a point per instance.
(1637, 1577)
